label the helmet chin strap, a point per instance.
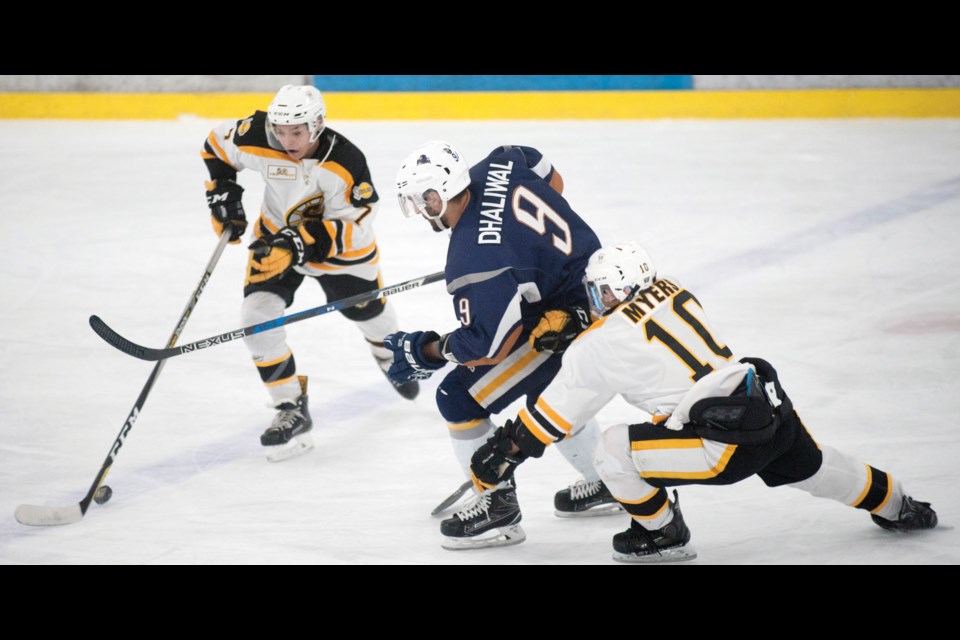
(438, 220)
(630, 294)
(439, 217)
(316, 134)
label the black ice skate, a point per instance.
(288, 436)
(492, 519)
(585, 499)
(669, 544)
(408, 390)
(913, 515)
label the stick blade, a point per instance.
(114, 339)
(453, 497)
(37, 516)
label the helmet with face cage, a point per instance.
(614, 274)
(298, 104)
(434, 166)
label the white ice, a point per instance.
(828, 247)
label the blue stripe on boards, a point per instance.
(500, 83)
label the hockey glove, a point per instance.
(276, 254)
(226, 208)
(558, 328)
(409, 361)
(496, 460)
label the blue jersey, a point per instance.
(517, 251)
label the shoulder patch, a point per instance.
(244, 126)
(362, 191)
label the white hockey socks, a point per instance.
(578, 449)
(467, 440)
(376, 329)
(854, 483)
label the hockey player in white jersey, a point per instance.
(316, 221)
(713, 419)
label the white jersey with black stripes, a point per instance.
(650, 350)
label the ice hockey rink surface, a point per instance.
(828, 247)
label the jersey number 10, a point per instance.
(654, 331)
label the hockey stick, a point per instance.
(453, 497)
(36, 515)
(146, 353)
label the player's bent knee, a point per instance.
(367, 311)
(455, 403)
(260, 307)
(612, 454)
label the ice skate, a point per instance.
(913, 515)
(668, 544)
(289, 434)
(491, 519)
(408, 390)
(585, 499)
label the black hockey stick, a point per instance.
(453, 497)
(43, 516)
(146, 353)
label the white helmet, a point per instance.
(434, 166)
(298, 104)
(614, 274)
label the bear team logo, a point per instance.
(312, 208)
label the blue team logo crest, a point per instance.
(423, 159)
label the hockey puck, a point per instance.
(103, 495)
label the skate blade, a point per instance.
(602, 510)
(296, 447)
(677, 554)
(502, 537)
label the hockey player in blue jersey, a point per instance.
(514, 267)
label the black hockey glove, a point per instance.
(409, 361)
(276, 254)
(493, 462)
(226, 208)
(558, 328)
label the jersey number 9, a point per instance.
(543, 213)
